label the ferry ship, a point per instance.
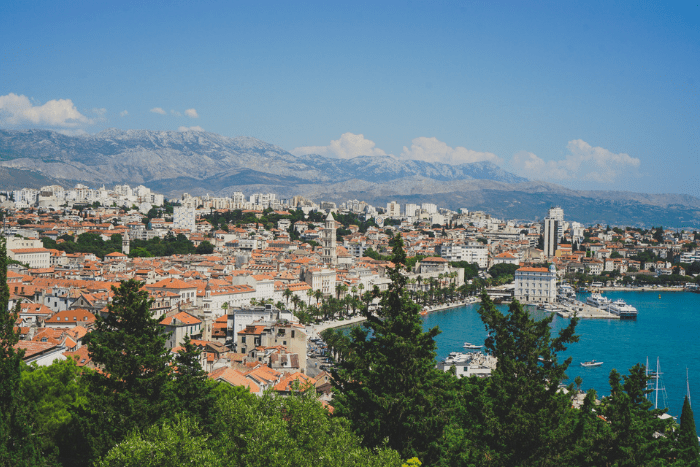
(620, 308)
(598, 301)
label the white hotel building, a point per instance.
(536, 285)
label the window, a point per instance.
(292, 334)
(242, 339)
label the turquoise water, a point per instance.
(666, 327)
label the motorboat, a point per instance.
(591, 363)
(597, 300)
(622, 309)
(468, 345)
(566, 292)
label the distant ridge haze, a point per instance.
(199, 162)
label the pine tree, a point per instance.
(17, 446)
(524, 413)
(687, 441)
(130, 390)
(191, 391)
(388, 386)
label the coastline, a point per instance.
(642, 289)
(448, 306)
(314, 330)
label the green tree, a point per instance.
(525, 416)
(294, 431)
(633, 425)
(387, 383)
(687, 441)
(53, 391)
(205, 248)
(168, 444)
(18, 445)
(191, 390)
(129, 345)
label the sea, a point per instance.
(667, 328)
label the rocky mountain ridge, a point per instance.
(200, 162)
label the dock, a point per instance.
(582, 310)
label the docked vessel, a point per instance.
(566, 292)
(597, 300)
(591, 363)
(468, 345)
(622, 309)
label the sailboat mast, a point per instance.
(687, 386)
(646, 373)
(656, 400)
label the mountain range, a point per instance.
(199, 162)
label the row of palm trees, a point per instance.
(429, 291)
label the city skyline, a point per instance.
(594, 96)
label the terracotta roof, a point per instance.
(183, 317)
(234, 378)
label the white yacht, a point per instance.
(468, 345)
(597, 300)
(566, 292)
(622, 309)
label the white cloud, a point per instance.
(584, 162)
(434, 150)
(176, 113)
(190, 128)
(158, 110)
(99, 112)
(123, 113)
(191, 113)
(347, 146)
(18, 110)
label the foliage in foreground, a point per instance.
(266, 431)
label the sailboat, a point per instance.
(657, 385)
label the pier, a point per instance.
(566, 309)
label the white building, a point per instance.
(429, 208)
(473, 252)
(410, 210)
(184, 218)
(33, 257)
(536, 285)
(393, 209)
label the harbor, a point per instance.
(663, 323)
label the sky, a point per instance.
(589, 95)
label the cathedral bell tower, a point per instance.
(125, 243)
(330, 255)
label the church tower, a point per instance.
(330, 255)
(125, 243)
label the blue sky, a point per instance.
(591, 95)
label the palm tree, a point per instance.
(318, 295)
(295, 301)
(287, 293)
(224, 306)
(310, 293)
(338, 289)
(354, 291)
(419, 279)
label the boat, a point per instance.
(591, 363)
(566, 292)
(467, 345)
(620, 308)
(597, 300)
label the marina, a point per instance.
(666, 327)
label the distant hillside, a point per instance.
(199, 162)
